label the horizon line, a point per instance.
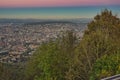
(45, 18)
(57, 6)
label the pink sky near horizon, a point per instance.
(52, 3)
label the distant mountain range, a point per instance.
(37, 21)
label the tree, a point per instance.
(106, 66)
(52, 60)
(101, 38)
(106, 22)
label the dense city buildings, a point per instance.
(19, 41)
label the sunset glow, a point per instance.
(56, 9)
(54, 3)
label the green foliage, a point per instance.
(107, 44)
(66, 58)
(106, 66)
(52, 60)
(101, 38)
(91, 48)
(105, 22)
(11, 72)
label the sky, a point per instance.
(54, 3)
(56, 9)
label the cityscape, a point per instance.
(19, 41)
(59, 39)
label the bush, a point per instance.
(106, 66)
(52, 60)
(101, 38)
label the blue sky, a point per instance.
(56, 12)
